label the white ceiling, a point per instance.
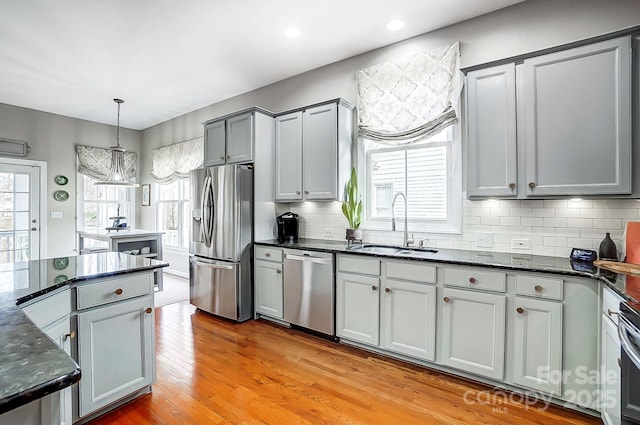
(169, 57)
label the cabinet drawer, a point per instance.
(269, 254)
(112, 290)
(359, 264)
(415, 271)
(610, 303)
(48, 310)
(542, 287)
(476, 279)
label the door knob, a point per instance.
(33, 229)
(71, 335)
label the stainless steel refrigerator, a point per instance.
(221, 237)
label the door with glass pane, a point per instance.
(19, 212)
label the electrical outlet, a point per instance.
(520, 243)
(328, 232)
(56, 214)
(484, 240)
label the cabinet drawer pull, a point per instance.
(278, 271)
(306, 192)
(520, 310)
(374, 288)
(71, 335)
(532, 185)
(538, 288)
(387, 290)
(472, 280)
(118, 291)
(446, 299)
(148, 310)
(512, 186)
(222, 157)
(266, 254)
(611, 313)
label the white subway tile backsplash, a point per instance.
(552, 226)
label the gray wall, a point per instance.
(52, 139)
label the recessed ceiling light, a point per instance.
(292, 32)
(395, 25)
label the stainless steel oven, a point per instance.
(629, 332)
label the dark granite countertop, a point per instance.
(32, 365)
(626, 286)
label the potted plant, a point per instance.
(352, 208)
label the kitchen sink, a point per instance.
(400, 251)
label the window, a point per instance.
(427, 172)
(173, 207)
(96, 204)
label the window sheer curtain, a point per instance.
(411, 98)
(174, 162)
(95, 162)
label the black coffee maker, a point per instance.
(287, 227)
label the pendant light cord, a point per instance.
(119, 102)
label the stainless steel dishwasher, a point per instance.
(309, 290)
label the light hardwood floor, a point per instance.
(211, 371)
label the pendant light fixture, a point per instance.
(117, 175)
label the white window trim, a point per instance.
(156, 201)
(131, 194)
(452, 226)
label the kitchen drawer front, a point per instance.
(48, 310)
(407, 270)
(112, 290)
(359, 264)
(542, 287)
(269, 254)
(475, 279)
(610, 303)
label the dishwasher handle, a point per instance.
(309, 259)
(212, 265)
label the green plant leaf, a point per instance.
(352, 205)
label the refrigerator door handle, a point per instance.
(206, 212)
(211, 265)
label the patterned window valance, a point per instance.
(174, 162)
(410, 98)
(95, 162)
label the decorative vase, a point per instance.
(608, 250)
(354, 234)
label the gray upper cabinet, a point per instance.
(491, 126)
(231, 140)
(313, 152)
(577, 124)
(556, 125)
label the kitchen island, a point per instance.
(31, 364)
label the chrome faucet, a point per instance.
(407, 241)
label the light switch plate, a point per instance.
(56, 214)
(484, 240)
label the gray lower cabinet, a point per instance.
(268, 282)
(116, 343)
(473, 331)
(358, 308)
(566, 116)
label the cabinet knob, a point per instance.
(228, 156)
(374, 288)
(611, 313)
(387, 290)
(538, 288)
(297, 192)
(512, 186)
(446, 299)
(278, 271)
(472, 280)
(148, 310)
(266, 254)
(71, 335)
(222, 157)
(118, 291)
(532, 185)
(306, 192)
(520, 310)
